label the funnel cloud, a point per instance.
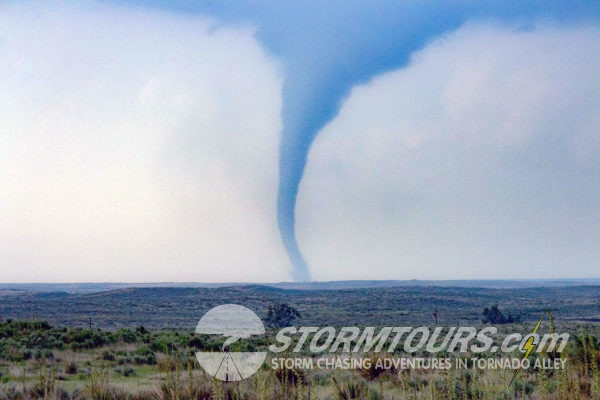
(326, 48)
(178, 133)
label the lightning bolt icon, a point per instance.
(528, 347)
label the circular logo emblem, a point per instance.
(234, 322)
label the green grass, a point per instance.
(118, 359)
(176, 375)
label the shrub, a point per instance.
(493, 315)
(27, 354)
(144, 355)
(123, 360)
(289, 376)
(196, 342)
(141, 330)
(99, 388)
(167, 364)
(126, 336)
(520, 387)
(375, 369)
(108, 355)
(280, 315)
(351, 390)
(163, 344)
(71, 368)
(61, 394)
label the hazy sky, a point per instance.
(143, 144)
(473, 162)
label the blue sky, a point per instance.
(244, 96)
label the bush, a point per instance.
(144, 355)
(108, 355)
(144, 351)
(289, 376)
(280, 315)
(12, 393)
(123, 360)
(27, 354)
(71, 368)
(163, 344)
(493, 315)
(351, 390)
(61, 394)
(374, 371)
(48, 354)
(520, 387)
(140, 360)
(196, 342)
(167, 364)
(126, 336)
(141, 330)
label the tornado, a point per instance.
(327, 47)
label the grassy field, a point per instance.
(141, 344)
(182, 307)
